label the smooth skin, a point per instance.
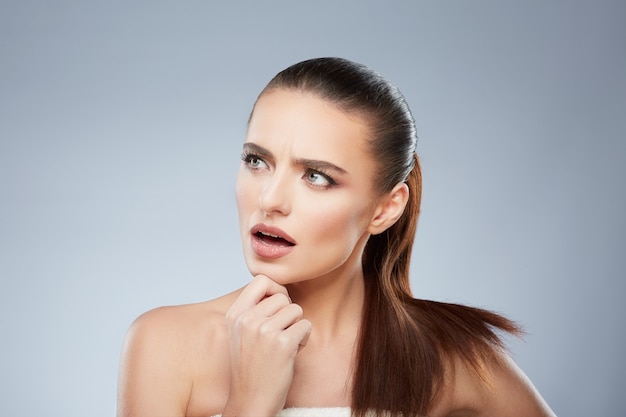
(288, 338)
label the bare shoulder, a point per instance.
(181, 319)
(503, 390)
(178, 327)
(165, 351)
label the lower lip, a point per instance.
(269, 250)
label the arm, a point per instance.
(152, 380)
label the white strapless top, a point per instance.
(313, 412)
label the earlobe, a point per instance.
(389, 209)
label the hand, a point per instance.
(265, 332)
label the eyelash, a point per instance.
(331, 181)
(248, 157)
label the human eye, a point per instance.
(253, 161)
(318, 179)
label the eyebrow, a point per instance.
(315, 164)
(257, 150)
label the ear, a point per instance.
(389, 209)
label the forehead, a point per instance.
(306, 123)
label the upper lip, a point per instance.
(273, 231)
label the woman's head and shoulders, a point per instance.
(307, 176)
(328, 196)
(326, 209)
(332, 205)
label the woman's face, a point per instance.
(305, 190)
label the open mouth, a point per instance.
(270, 242)
(271, 239)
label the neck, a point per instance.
(332, 303)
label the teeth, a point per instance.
(270, 235)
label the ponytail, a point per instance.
(404, 342)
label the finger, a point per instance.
(272, 304)
(290, 340)
(285, 317)
(300, 331)
(258, 289)
(261, 287)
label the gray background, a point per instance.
(120, 131)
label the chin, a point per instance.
(281, 274)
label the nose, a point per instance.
(275, 195)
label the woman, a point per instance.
(328, 196)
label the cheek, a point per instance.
(337, 224)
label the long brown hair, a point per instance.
(404, 342)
